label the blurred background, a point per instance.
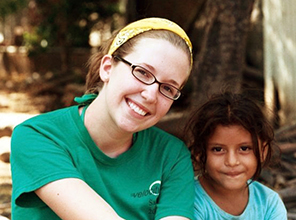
(245, 45)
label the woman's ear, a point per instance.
(105, 68)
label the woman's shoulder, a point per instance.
(58, 114)
(54, 120)
(160, 141)
(162, 134)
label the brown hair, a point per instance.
(93, 81)
(229, 109)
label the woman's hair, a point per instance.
(228, 109)
(93, 81)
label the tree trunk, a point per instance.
(221, 59)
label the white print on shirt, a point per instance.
(155, 187)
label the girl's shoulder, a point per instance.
(260, 188)
(267, 201)
(200, 194)
(262, 193)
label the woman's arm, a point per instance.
(73, 199)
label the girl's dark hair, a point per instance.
(229, 109)
(93, 81)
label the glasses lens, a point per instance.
(148, 78)
(143, 75)
(169, 91)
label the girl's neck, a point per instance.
(233, 202)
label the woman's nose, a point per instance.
(150, 92)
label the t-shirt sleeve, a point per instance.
(197, 214)
(36, 160)
(276, 208)
(177, 189)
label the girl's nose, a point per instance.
(150, 92)
(231, 159)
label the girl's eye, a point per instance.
(217, 149)
(245, 148)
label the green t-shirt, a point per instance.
(151, 180)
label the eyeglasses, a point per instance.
(148, 78)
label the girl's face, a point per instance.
(231, 161)
(132, 105)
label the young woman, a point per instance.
(231, 141)
(103, 159)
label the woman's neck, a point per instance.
(109, 139)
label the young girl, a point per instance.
(103, 159)
(231, 141)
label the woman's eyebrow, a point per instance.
(152, 70)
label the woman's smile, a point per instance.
(136, 108)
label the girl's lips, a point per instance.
(233, 174)
(136, 108)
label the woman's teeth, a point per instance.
(137, 109)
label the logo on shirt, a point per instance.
(154, 188)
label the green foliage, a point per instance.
(33, 43)
(8, 7)
(68, 23)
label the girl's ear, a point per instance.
(264, 151)
(105, 68)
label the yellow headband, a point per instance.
(148, 24)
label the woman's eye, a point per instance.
(168, 89)
(141, 72)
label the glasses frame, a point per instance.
(133, 66)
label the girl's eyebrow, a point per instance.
(215, 143)
(241, 143)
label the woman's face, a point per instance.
(132, 105)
